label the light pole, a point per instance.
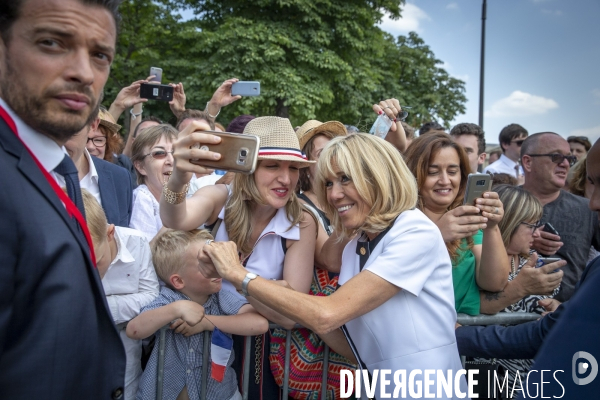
(482, 66)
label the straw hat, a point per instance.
(278, 140)
(107, 120)
(313, 127)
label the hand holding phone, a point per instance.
(547, 243)
(239, 153)
(245, 88)
(152, 91)
(156, 74)
(477, 185)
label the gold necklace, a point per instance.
(512, 264)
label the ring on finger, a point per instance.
(496, 211)
(209, 241)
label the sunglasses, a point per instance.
(99, 141)
(518, 142)
(403, 114)
(557, 158)
(158, 154)
(533, 227)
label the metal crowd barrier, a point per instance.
(463, 319)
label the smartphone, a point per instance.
(546, 260)
(382, 126)
(245, 88)
(477, 185)
(550, 229)
(157, 72)
(152, 91)
(239, 153)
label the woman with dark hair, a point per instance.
(470, 232)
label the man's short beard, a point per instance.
(34, 113)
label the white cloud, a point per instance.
(452, 6)
(410, 21)
(557, 13)
(592, 133)
(521, 104)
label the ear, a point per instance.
(176, 281)
(139, 166)
(110, 232)
(94, 125)
(526, 163)
(481, 158)
(503, 146)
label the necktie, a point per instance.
(67, 169)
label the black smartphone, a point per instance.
(156, 92)
(550, 229)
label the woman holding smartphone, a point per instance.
(471, 233)
(395, 300)
(259, 212)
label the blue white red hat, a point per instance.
(278, 141)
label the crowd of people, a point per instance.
(367, 243)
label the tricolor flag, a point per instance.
(220, 351)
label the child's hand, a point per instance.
(180, 326)
(190, 312)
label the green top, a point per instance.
(466, 291)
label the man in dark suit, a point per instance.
(57, 338)
(555, 339)
(110, 184)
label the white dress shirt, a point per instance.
(503, 165)
(90, 181)
(130, 283)
(145, 212)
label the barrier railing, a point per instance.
(463, 319)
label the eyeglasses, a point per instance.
(557, 158)
(99, 141)
(158, 154)
(533, 227)
(518, 142)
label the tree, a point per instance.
(323, 59)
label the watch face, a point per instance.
(251, 275)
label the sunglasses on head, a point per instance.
(557, 158)
(158, 154)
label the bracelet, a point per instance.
(134, 115)
(212, 116)
(173, 197)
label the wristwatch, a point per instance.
(249, 276)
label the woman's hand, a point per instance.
(391, 108)
(177, 105)
(461, 222)
(222, 97)
(225, 263)
(188, 153)
(491, 208)
(127, 97)
(539, 281)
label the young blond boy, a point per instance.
(124, 262)
(191, 304)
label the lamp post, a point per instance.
(482, 66)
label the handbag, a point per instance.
(307, 353)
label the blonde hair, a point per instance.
(380, 176)
(148, 138)
(519, 206)
(169, 248)
(578, 177)
(95, 218)
(238, 210)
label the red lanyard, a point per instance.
(71, 208)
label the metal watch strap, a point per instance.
(249, 276)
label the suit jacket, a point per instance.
(524, 340)
(57, 338)
(116, 192)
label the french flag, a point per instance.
(220, 351)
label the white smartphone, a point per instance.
(157, 72)
(245, 88)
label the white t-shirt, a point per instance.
(415, 328)
(145, 212)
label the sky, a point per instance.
(542, 60)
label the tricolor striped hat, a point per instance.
(278, 141)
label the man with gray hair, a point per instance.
(546, 159)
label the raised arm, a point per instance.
(492, 265)
(206, 203)
(396, 135)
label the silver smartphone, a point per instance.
(245, 88)
(239, 153)
(157, 72)
(477, 185)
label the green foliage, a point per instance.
(323, 59)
